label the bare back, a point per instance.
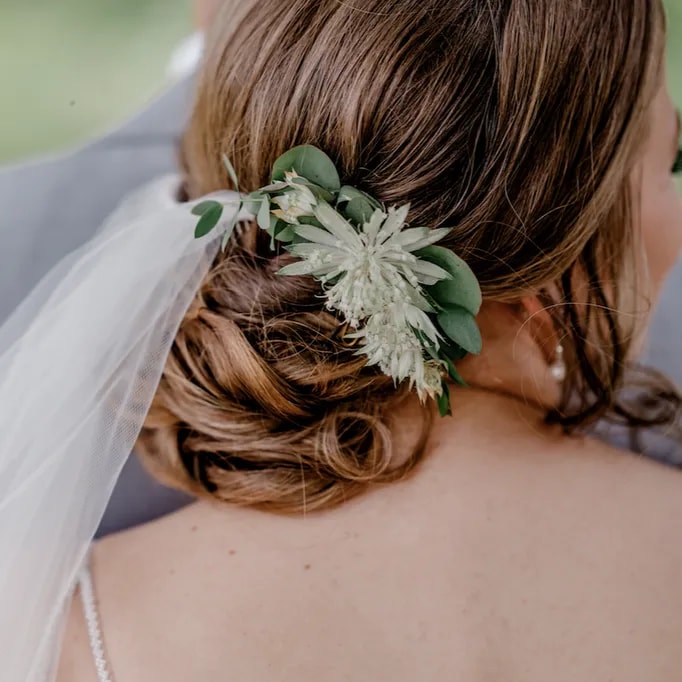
(512, 554)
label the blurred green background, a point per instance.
(72, 69)
(675, 48)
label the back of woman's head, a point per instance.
(515, 122)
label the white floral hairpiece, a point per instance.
(411, 305)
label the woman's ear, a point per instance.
(540, 324)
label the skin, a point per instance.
(514, 553)
(660, 197)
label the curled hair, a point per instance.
(263, 402)
(515, 122)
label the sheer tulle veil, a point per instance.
(80, 361)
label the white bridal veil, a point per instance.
(80, 361)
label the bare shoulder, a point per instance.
(577, 507)
(124, 566)
(633, 480)
(617, 489)
(561, 537)
(615, 515)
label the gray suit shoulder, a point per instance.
(52, 206)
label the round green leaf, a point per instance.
(462, 290)
(320, 193)
(348, 193)
(460, 326)
(263, 216)
(231, 172)
(205, 206)
(452, 351)
(208, 220)
(310, 220)
(276, 225)
(253, 202)
(358, 210)
(285, 234)
(310, 163)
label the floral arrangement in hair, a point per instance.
(411, 305)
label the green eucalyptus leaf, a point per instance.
(310, 220)
(460, 326)
(285, 234)
(310, 163)
(444, 402)
(358, 210)
(264, 214)
(231, 171)
(272, 229)
(253, 202)
(348, 193)
(279, 230)
(274, 222)
(208, 221)
(321, 194)
(297, 239)
(300, 180)
(452, 351)
(205, 206)
(454, 374)
(462, 290)
(252, 205)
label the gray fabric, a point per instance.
(663, 353)
(665, 342)
(51, 207)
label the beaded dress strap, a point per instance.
(92, 619)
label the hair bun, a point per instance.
(261, 402)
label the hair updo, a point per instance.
(516, 122)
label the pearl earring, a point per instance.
(558, 367)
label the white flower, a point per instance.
(374, 267)
(390, 341)
(375, 277)
(296, 202)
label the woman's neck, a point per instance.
(510, 382)
(516, 358)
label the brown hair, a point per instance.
(517, 122)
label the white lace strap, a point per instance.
(94, 628)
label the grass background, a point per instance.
(72, 69)
(674, 8)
